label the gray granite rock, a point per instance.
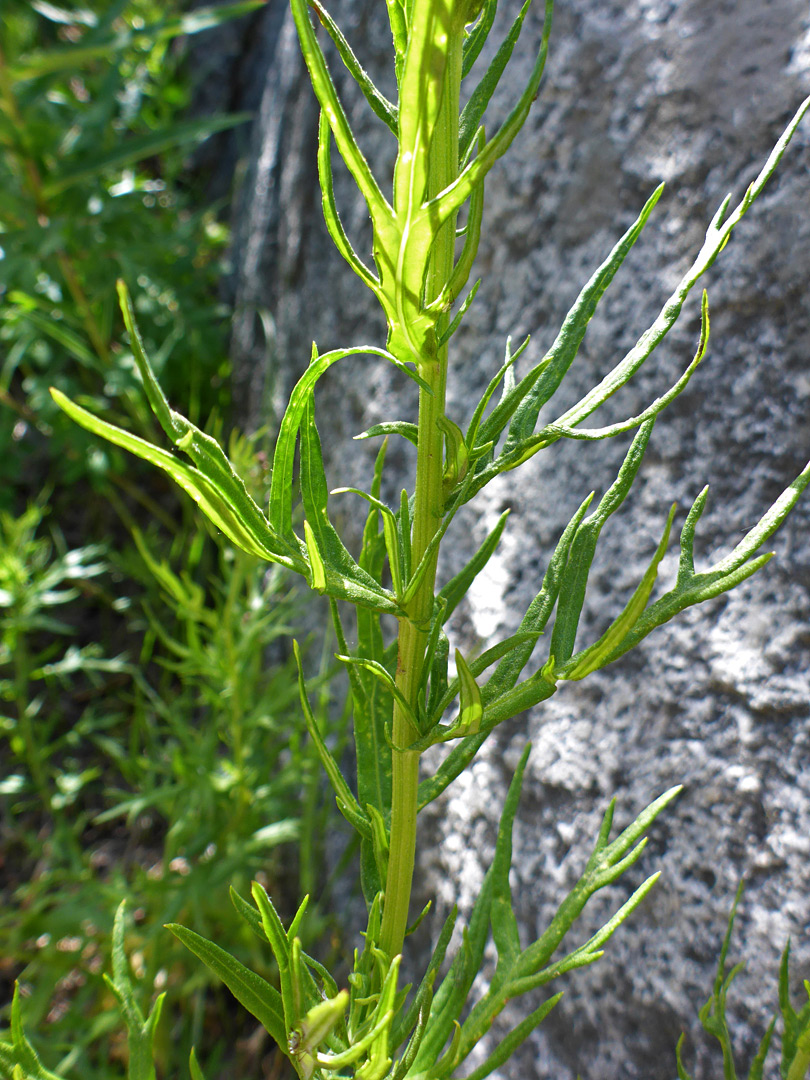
(693, 92)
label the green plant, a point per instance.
(200, 753)
(169, 746)
(90, 188)
(402, 688)
(32, 584)
(795, 1060)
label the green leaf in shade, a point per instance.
(347, 804)
(204, 18)
(34, 65)
(256, 994)
(137, 148)
(19, 1054)
(70, 341)
(140, 1029)
(194, 1069)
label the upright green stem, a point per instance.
(427, 518)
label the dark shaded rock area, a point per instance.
(694, 92)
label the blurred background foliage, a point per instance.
(150, 737)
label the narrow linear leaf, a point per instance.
(327, 96)
(458, 587)
(575, 577)
(595, 656)
(740, 564)
(379, 104)
(330, 210)
(392, 427)
(507, 1046)
(346, 801)
(477, 36)
(373, 667)
(480, 97)
(256, 994)
(209, 497)
(194, 1069)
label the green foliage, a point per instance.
(201, 754)
(795, 1063)
(401, 685)
(89, 190)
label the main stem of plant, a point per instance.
(427, 518)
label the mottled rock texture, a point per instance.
(693, 92)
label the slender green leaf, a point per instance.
(470, 708)
(537, 615)
(194, 1069)
(717, 236)
(346, 801)
(477, 35)
(256, 994)
(392, 427)
(542, 382)
(19, 1054)
(215, 503)
(741, 563)
(380, 105)
(330, 210)
(140, 1030)
(424, 993)
(324, 88)
(502, 916)
(583, 548)
(378, 670)
(595, 656)
(504, 1050)
(458, 587)
(479, 99)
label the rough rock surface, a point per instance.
(693, 92)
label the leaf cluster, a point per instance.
(795, 1059)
